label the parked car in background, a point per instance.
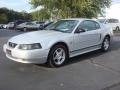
(27, 26)
(62, 40)
(42, 27)
(113, 23)
(38, 22)
(5, 26)
(12, 25)
(1, 26)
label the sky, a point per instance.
(114, 10)
(23, 5)
(17, 5)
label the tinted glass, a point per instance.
(29, 23)
(89, 25)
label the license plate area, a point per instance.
(8, 51)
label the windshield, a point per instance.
(63, 26)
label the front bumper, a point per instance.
(26, 56)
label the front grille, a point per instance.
(12, 45)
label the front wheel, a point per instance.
(57, 56)
(106, 44)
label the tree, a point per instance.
(73, 8)
(7, 15)
(25, 16)
(3, 18)
(40, 15)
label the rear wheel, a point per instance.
(117, 28)
(106, 44)
(57, 56)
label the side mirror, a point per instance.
(80, 30)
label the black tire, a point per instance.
(117, 28)
(104, 47)
(51, 62)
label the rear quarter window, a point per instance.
(89, 25)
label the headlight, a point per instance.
(30, 46)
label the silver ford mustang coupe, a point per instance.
(58, 42)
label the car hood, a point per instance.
(37, 36)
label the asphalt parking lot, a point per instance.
(92, 71)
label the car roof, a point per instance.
(79, 19)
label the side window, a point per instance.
(97, 25)
(29, 24)
(89, 25)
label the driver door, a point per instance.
(89, 36)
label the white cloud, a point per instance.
(18, 5)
